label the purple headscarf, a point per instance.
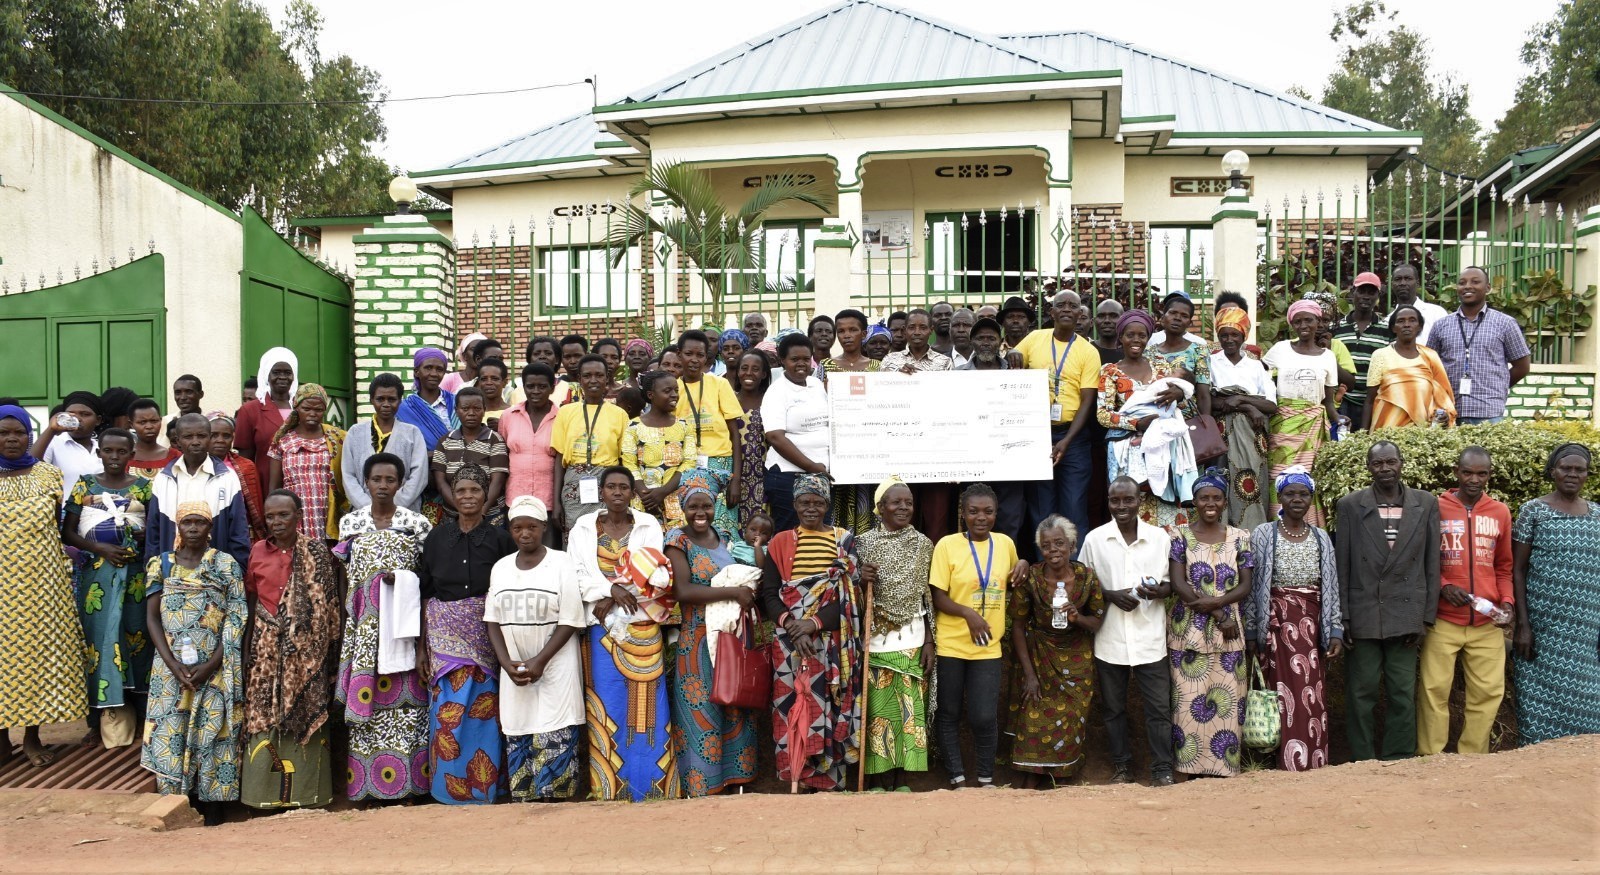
(26, 461)
(1138, 316)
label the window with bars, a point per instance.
(582, 279)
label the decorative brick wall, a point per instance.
(494, 296)
(404, 298)
(1100, 240)
(1554, 391)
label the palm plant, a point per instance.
(721, 242)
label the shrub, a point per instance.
(1520, 450)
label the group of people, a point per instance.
(517, 583)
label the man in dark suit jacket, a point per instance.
(1388, 557)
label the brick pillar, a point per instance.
(404, 298)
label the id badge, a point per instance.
(589, 490)
(1466, 385)
(703, 461)
(1055, 413)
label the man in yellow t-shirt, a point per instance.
(707, 402)
(1073, 366)
(969, 575)
(585, 439)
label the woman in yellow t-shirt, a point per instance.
(969, 574)
(586, 439)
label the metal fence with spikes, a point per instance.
(42, 281)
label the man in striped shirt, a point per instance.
(1363, 332)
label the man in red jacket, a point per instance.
(1474, 564)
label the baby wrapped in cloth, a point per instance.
(1162, 457)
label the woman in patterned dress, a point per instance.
(196, 612)
(1556, 572)
(1292, 619)
(659, 450)
(716, 743)
(1211, 570)
(752, 376)
(386, 712)
(1118, 381)
(41, 676)
(1053, 677)
(105, 522)
(1177, 352)
(900, 649)
(304, 459)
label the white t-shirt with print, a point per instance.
(528, 606)
(1302, 377)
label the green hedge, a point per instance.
(1520, 450)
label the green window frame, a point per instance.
(783, 267)
(577, 280)
(1002, 248)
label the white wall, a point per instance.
(66, 201)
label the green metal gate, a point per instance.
(286, 299)
(104, 330)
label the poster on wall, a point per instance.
(886, 230)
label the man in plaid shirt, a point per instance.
(1483, 351)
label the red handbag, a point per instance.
(743, 675)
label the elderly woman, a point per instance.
(900, 648)
(809, 590)
(468, 370)
(294, 590)
(305, 459)
(1555, 548)
(618, 552)
(196, 612)
(1293, 621)
(40, 636)
(431, 409)
(464, 754)
(716, 743)
(751, 379)
(1119, 381)
(794, 412)
(1211, 566)
(105, 522)
(731, 344)
(1055, 614)
(637, 354)
(385, 699)
(277, 383)
(1308, 380)
(1243, 397)
(1407, 380)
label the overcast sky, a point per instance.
(425, 48)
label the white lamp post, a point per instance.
(404, 193)
(1235, 163)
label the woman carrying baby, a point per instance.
(1120, 382)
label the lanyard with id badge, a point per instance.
(983, 571)
(702, 460)
(1466, 342)
(589, 487)
(1055, 407)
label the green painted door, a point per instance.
(286, 299)
(101, 331)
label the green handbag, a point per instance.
(1262, 715)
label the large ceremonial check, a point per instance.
(939, 427)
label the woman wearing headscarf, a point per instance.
(637, 355)
(1555, 575)
(258, 421)
(809, 589)
(1118, 382)
(385, 699)
(1243, 398)
(293, 586)
(900, 651)
(1053, 676)
(105, 523)
(879, 340)
(1211, 565)
(716, 743)
(465, 747)
(1308, 382)
(627, 590)
(42, 642)
(430, 407)
(731, 344)
(197, 612)
(305, 458)
(1407, 381)
(1293, 621)
(468, 369)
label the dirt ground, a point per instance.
(1527, 810)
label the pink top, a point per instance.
(452, 382)
(532, 469)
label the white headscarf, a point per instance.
(270, 358)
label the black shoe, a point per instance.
(1162, 780)
(1121, 776)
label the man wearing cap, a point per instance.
(1363, 333)
(1404, 282)
(1016, 320)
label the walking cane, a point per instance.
(866, 658)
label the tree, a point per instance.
(718, 240)
(1562, 86)
(1384, 75)
(302, 139)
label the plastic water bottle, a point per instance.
(617, 624)
(1495, 613)
(186, 652)
(1058, 607)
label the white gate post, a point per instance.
(404, 298)
(1233, 235)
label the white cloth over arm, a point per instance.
(399, 622)
(723, 616)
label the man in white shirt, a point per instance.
(961, 336)
(1130, 558)
(1404, 280)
